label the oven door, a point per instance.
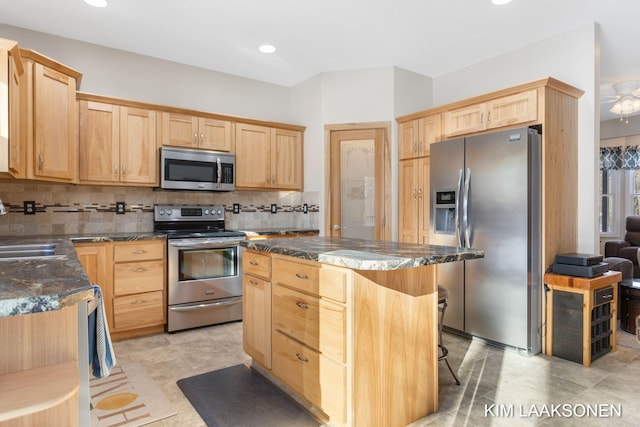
(203, 269)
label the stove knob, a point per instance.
(161, 211)
(206, 211)
(219, 212)
(169, 212)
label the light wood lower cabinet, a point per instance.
(355, 347)
(256, 307)
(132, 276)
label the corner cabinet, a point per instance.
(118, 143)
(47, 110)
(268, 158)
(188, 131)
(133, 281)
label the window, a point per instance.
(612, 200)
(606, 201)
(634, 192)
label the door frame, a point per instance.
(383, 178)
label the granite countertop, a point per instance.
(256, 232)
(362, 254)
(33, 285)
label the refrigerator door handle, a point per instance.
(456, 220)
(465, 211)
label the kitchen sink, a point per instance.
(31, 250)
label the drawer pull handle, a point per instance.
(139, 251)
(253, 282)
(302, 305)
(253, 262)
(301, 358)
(140, 301)
(607, 296)
(139, 270)
(301, 276)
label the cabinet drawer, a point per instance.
(323, 281)
(136, 277)
(297, 366)
(256, 264)
(603, 296)
(138, 311)
(319, 324)
(139, 251)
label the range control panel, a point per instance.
(188, 212)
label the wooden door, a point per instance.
(253, 156)
(408, 143)
(99, 141)
(408, 206)
(286, 164)
(424, 191)
(358, 184)
(54, 118)
(138, 146)
(214, 134)
(179, 130)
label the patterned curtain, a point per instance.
(613, 158)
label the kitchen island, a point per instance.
(348, 327)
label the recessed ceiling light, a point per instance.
(96, 3)
(500, 2)
(267, 48)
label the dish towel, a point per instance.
(101, 356)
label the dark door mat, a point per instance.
(237, 396)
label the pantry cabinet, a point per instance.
(268, 158)
(48, 119)
(133, 281)
(414, 197)
(117, 144)
(416, 136)
(184, 130)
(518, 108)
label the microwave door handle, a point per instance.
(219, 173)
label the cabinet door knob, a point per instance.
(253, 282)
(124, 170)
(252, 262)
(40, 161)
(195, 138)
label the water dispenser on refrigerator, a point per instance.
(445, 212)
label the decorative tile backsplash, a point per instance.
(80, 209)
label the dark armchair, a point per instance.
(627, 248)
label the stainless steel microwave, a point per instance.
(186, 169)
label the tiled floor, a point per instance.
(515, 385)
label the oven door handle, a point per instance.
(209, 244)
(208, 305)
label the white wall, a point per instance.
(121, 74)
(569, 57)
(615, 128)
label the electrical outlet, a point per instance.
(305, 208)
(30, 207)
(236, 208)
(274, 208)
(120, 208)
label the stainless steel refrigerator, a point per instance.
(485, 194)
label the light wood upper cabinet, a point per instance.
(118, 144)
(268, 158)
(500, 112)
(417, 135)
(414, 196)
(183, 130)
(12, 149)
(49, 114)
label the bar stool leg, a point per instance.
(442, 307)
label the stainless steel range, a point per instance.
(204, 266)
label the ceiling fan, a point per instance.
(627, 99)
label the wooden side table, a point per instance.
(595, 328)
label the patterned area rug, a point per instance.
(128, 397)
